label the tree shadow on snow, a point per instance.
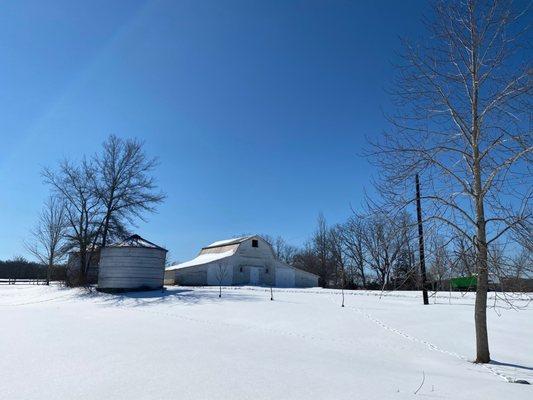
(171, 297)
(504, 364)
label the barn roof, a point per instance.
(228, 242)
(202, 259)
(213, 252)
(137, 241)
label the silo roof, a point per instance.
(137, 241)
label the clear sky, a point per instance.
(257, 110)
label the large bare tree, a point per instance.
(125, 186)
(463, 101)
(48, 238)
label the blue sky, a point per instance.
(258, 111)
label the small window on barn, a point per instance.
(240, 269)
(266, 271)
(255, 243)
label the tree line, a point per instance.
(371, 251)
(20, 268)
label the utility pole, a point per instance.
(421, 243)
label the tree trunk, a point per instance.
(480, 309)
(105, 230)
(83, 266)
(363, 278)
(480, 312)
(48, 274)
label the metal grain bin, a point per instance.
(134, 264)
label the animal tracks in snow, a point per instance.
(426, 343)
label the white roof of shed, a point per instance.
(202, 259)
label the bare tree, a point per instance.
(337, 254)
(320, 243)
(75, 186)
(522, 265)
(283, 251)
(222, 272)
(464, 103)
(124, 185)
(352, 233)
(405, 270)
(306, 259)
(382, 244)
(519, 269)
(47, 243)
(463, 256)
(439, 261)
(509, 269)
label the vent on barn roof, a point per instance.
(227, 242)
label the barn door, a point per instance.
(254, 276)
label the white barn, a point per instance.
(248, 260)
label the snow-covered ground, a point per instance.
(186, 343)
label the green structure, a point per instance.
(464, 283)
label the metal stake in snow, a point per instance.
(343, 288)
(421, 242)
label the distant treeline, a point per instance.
(373, 250)
(20, 268)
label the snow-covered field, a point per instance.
(186, 343)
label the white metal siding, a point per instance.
(217, 273)
(131, 268)
(284, 277)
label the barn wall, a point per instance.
(303, 279)
(266, 273)
(247, 257)
(193, 276)
(170, 277)
(263, 251)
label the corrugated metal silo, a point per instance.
(132, 264)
